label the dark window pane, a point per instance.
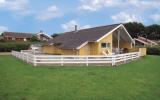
(103, 45)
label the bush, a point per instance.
(9, 46)
(2, 40)
(153, 50)
(34, 39)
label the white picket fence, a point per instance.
(41, 59)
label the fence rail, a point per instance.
(40, 59)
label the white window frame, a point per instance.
(107, 45)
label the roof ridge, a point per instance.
(101, 26)
(19, 32)
(92, 28)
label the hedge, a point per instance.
(9, 46)
(153, 50)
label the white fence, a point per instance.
(41, 59)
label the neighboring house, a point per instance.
(141, 41)
(93, 41)
(36, 46)
(19, 36)
(16, 36)
(43, 36)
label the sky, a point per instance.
(57, 16)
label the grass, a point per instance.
(138, 80)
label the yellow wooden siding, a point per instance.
(134, 49)
(107, 39)
(126, 45)
(94, 48)
(85, 50)
(68, 52)
(89, 49)
(57, 51)
(48, 49)
(143, 51)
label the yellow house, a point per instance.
(93, 41)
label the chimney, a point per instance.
(76, 28)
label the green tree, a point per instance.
(153, 32)
(135, 29)
(34, 39)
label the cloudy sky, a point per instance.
(54, 16)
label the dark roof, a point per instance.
(18, 34)
(74, 39)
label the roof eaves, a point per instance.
(121, 25)
(82, 45)
(108, 33)
(44, 34)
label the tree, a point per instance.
(34, 39)
(153, 32)
(135, 29)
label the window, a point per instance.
(105, 45)
(108, 45)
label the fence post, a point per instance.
(27, 57)
(132, 55)
(139, 54)
(61, 61)
(113, 60)
(125, 58)
(20, 55)
(23, 57)
(87, 61)
(34, 60)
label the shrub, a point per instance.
(153, 50)
(9, 46)
(2, 40)
(34, 39)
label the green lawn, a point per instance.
(138, 80)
